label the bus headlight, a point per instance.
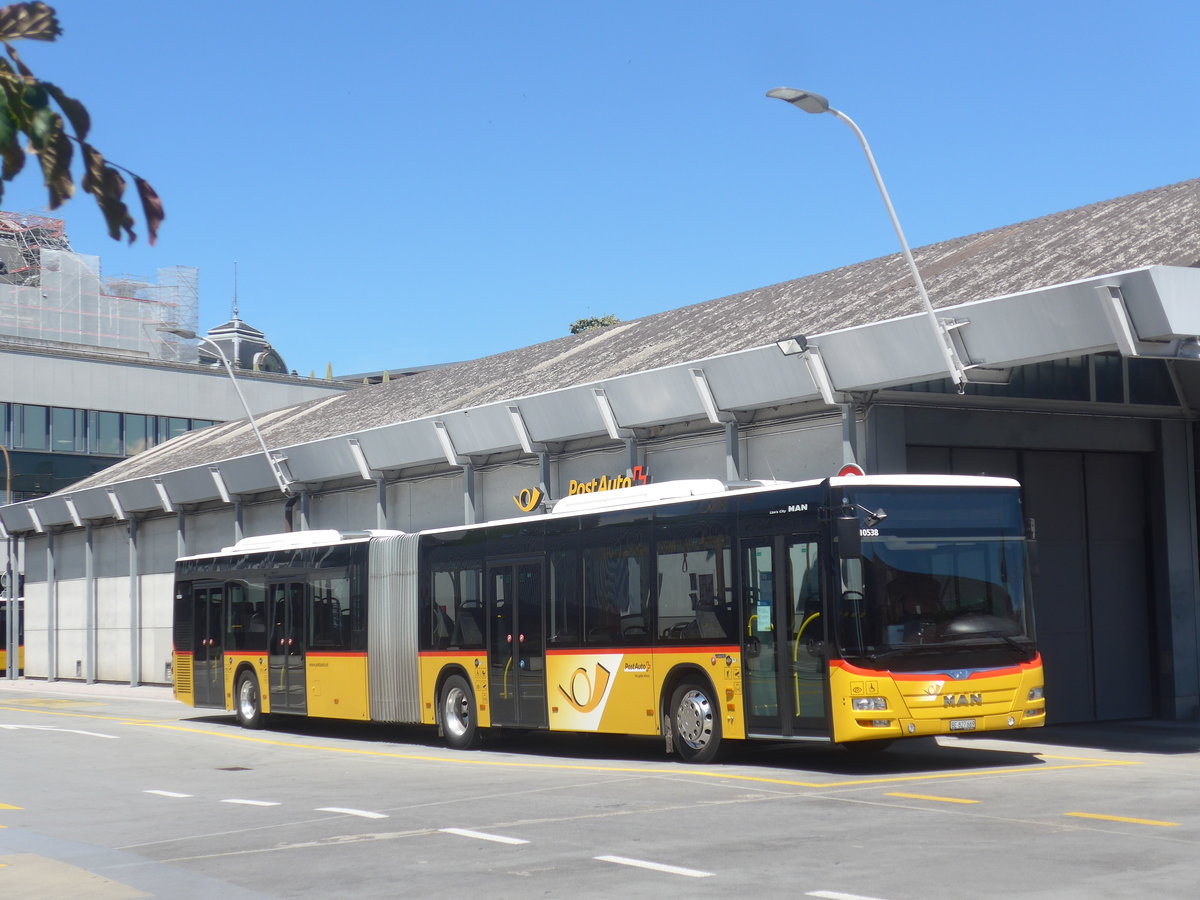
(1037, 693)
(860, 704)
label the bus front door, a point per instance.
(785, 664)
(286, 654)
(208, 657)
(516, 643)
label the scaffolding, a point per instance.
(51, 295)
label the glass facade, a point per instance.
(1100, 378)
(26, 426)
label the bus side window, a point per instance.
(695, 600)
(457, 608)
(329, 621)
(564, 627)
(616, 586)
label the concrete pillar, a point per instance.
(135, 607)
(51, 611)
(733, 453)
(381, 519)
(89, 579)
(180, 534)
(469, 494)
(1178, 625)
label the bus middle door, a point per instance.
(286, 654)
(516, 643)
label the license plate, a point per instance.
(962, 724)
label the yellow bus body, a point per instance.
(935, 703)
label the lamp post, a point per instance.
(276, 468)
(815, 103)
(12, 626)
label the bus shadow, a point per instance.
(1131, 736)
(912, 756)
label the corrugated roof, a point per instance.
(1156, 227)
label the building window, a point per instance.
(104, 433)
(31, 429)
(171, 427)
(137, 433)
(1100, 378)
(67, 430)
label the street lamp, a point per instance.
(276, 463)
(815, 103)
(11, 619)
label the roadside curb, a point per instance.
(81, 689)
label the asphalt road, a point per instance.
(117, 793)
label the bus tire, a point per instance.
(695, 723)
(460, 721)
(247, 702)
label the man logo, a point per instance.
(963, 700)
(528, 499)
(583, 695)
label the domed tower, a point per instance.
(244, 345)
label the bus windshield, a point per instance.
(942, 580)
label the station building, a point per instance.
(1076, 334)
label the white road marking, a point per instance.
(657, 867)
(834, 895)
(166, 793)
(351, 812)
(252, 802)
(111, 737)
(499, 839)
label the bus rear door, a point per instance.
(286, 650)
(516, 643)
(208, 657)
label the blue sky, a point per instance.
(407, 183)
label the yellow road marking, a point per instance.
(1083, 815)
(931, 797)
(6, 806)
(470, 760)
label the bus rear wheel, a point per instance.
(248, 702)
(695, 723)
(460, 723)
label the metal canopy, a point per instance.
(1155, 307)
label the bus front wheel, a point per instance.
(695, 723)
(459, 722)
(248, 702)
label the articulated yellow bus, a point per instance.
(853, 610)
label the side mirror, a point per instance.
(1031, 544)
(848, 537)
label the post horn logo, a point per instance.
(584, 695)
(528, 499)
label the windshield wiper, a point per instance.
(914, 650)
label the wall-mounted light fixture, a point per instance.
(360, 459)
(443, 436)
(115, 502)
(219, 481)
(73, 512)
(163, 498)
(615, 431)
